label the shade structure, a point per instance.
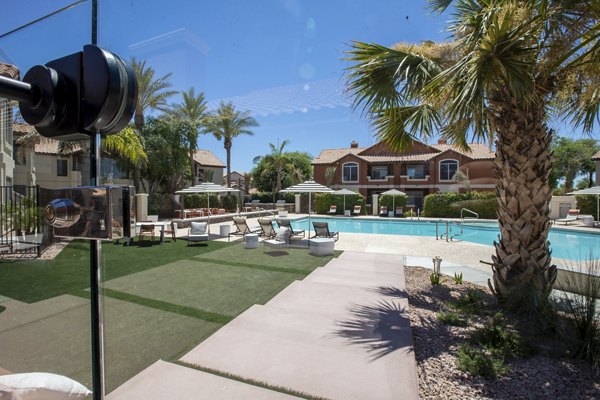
(207, 188)
(393, 193)
(309, 187)
(344, 192)
(595, 190)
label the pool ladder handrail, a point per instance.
(470, 212)
(448, 230)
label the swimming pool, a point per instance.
(566, 244)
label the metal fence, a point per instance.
(21, 227)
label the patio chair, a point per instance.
(399, 211)
(197, 232)
(322, 231)
(242, 228)
(572, 215)
(255, 204)
(285, 223)
(357, 209)
(332, 209)
(280, 242)
(268, 230)
(280, 205)
(383, 212)
(172, 229)
(147, 231)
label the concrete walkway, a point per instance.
(341, 333)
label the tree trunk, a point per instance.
(523, 276)
(193, 167)
(227, 143)
(138, 120)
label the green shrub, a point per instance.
(583, 310)
(452, 318)
(471, 302)
(497, 338)
(458, 278)
(267, 197)
(476, 361)
(435, 278)
(229, 202)
(324, 201)
(448, 205)
(2, 308)
(201, 201)
(159, 204)
(587, 204)
(389, 201)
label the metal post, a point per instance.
(95, 279)
(95, 260)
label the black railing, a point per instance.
(21, 228)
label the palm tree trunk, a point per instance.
(523, 276)
(193, 167)
(138, 120)
(227, 143)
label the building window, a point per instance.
(76, 163)
(379, 172)
(350, 172)
(447, 169)
(415, 171)
(62, 167)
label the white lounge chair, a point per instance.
(197, 232)
(332, 209)
(357, 209)
(572, 215)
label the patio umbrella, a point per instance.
(344, 192)
(308, 187)
(593, 190)
(393, 193)
(207, 188)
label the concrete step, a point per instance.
(163, 380)
(343, 276)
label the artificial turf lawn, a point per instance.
(34, 280)
(160, 302)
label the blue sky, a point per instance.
(279, 59)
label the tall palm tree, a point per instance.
(277, 162)
(226, 123)
(193, 109)
(511, 66)
(127, 146)
(152, 94)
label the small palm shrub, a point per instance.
(479, 361)
(452, 318)
(458, 278)
(435, 278)
(470, 302)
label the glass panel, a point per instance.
(415, 171)
(379, 172)
(44, 303)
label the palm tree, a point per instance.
(152, 94)
(278, 162)
(127, 146)
(192, 108)
(226, 124)
(512, 64)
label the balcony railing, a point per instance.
(379, 179)
(416, 178)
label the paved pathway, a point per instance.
(341, 333)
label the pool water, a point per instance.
(566, 244)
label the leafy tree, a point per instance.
(511, 65)
(226, 123)
(293, 167)
(152, 94)
(193, 109)
(571, 159)
(126, 147)
(166, 146)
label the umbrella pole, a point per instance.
(308, 219)
(208, 213)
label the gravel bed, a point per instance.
(436, 345)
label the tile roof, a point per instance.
(9, 71)
(208, 159)
(44, 145)
(478, 152)
(596, 156)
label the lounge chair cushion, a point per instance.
(198, 228)
(41, 385)
(283, 235)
